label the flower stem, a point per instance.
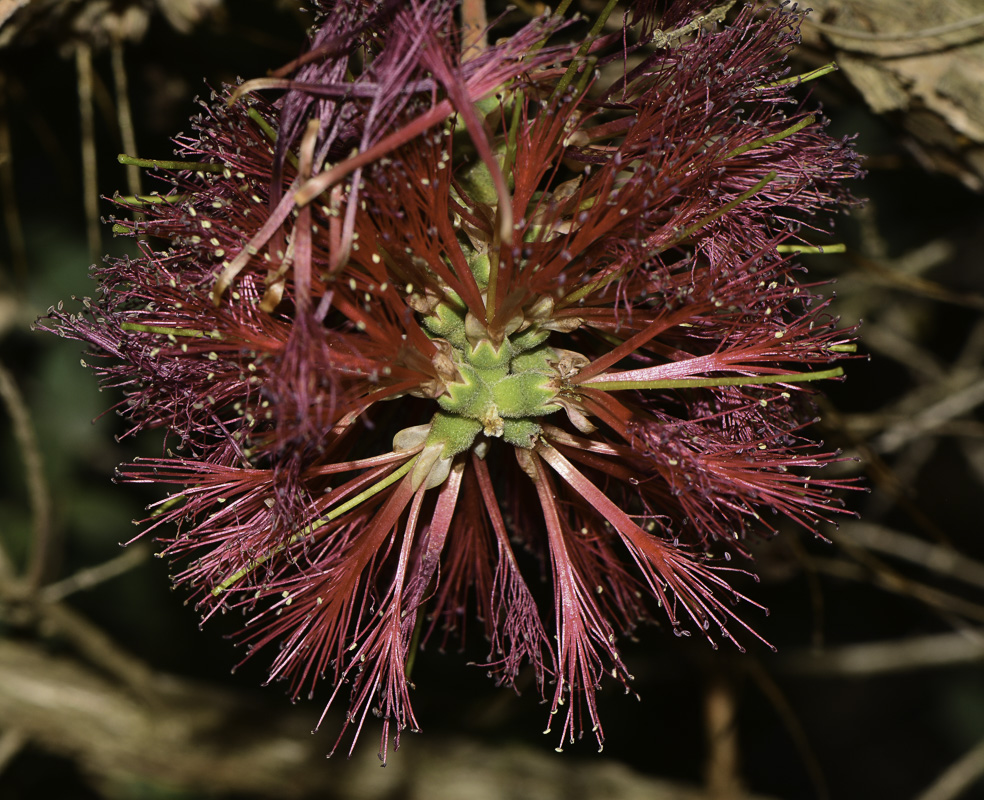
(269, 131)
(802, 248)
(151, 163)
(703, 383)
(596, 29)
(165, 331)
(348, 505)
(776, 137)
(813, 74)
(152, 199)
(602, 282)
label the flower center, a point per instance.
(496, 390)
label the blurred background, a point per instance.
(109, 690)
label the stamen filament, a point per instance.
(584, 291)
(373, 490)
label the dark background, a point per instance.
(815, 720)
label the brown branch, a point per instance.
(474, 24)
(899, 36)
(958, 777)
(37, 487)
(11, 210)
(83, 66)
(199, 740)
(936, 558)
(133, 556)
(721, 725)
(878, 574)
(717, 14)
(880, 658)
(797, 733)
(956, 403)
(204, 740)
(12, 741)
(124, 117)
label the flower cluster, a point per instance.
(425, 320)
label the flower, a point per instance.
(421, 317)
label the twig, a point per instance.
(953, 405)
(83, 66)
(904, 470)
(102, 651)
(877, 574)
(7, 572)
(881, 338)
(205, 741)
(884, 477)
(861, 424)
(474, 24)
(768, 686)
(958, 777)
(716, 14)
(881, 658)
(37, 487)
(12, 742)
(901, 36)
(814, 586)
(936, 558)
(9, 7)
(972, 353)
(898, 276)
(124, 117)
(722, 772)
(92, 576)
(185, 743)
(11, 210)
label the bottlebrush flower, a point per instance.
(417, 320)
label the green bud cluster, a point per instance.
(501, 390)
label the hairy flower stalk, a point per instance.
(422, 320)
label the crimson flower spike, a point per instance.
(418, 313)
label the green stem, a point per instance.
(269, 131)
(167, 505)
(360, 498)
(165, 331)
(705, 383)
(517, 115)
(373, 490)
(150, 163)
(802, 248)
(418, 628)
(775, 137)
(819, 72)
(596, 29)
(557, 12)
(561, 9)
(152, 199)
(582, 84)
(729, 206)
(594, 286)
